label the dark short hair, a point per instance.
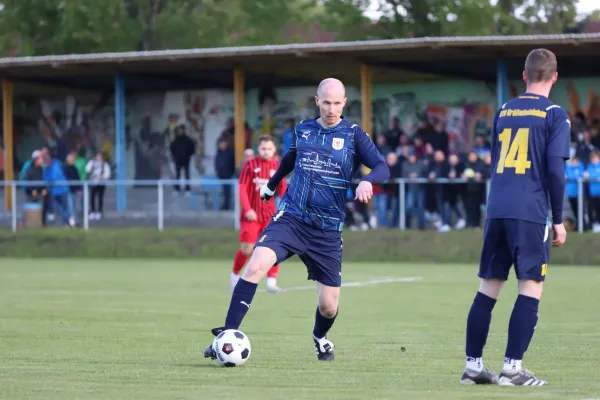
(540, 66)
(266, 138)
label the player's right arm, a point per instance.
(286, 165)
(557, 153)
(244, 180)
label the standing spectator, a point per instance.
(593, 172)
(394, 134)
(440, 170)
(62, 202)
(98, 172)
(426, 130)
(182, 149)
(440, 140)
(382, 145)
(405, 151)
(578, 127)
(72, 174)
(574, 170)
(481, 146)
(585, 148)
(473, 173)
(415, 192)
(225, 167)
(392, 191)
(80, 164)
(35, 172)
(48, 213)
(431, 209)
(420, 147)
(455, 191)
(595, 131)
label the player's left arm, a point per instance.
(559, 142)
(369, 156)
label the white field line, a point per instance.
(373, 282)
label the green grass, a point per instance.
(135, 329)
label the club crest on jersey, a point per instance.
(337, 144)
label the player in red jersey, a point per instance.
(256, 213)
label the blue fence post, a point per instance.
(502, 82)
(120, 156)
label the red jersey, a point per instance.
(256, 172)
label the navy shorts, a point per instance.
(321, 251)
(511, 241)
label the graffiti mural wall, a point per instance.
(463, 107)
(85, 122)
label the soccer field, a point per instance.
(106, 329)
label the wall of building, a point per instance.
(86, 121)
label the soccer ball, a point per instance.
(232, 348)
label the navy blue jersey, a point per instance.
(326, 159)
(526, 131)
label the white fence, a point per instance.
(209, 193)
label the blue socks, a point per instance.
(322, 324)
(521, 327)
(478, 325)
(243, 293)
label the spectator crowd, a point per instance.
(60, 201)
(444, 190)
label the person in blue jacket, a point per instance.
(593, 173)
(62, 201)
(574, 170)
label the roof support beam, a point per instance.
(502, 82)
(239, 100)
(121, 142)
(7, 115)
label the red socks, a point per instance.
(273, 272)
(239, 261)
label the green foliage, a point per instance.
(38, 27)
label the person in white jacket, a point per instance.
(98, 173)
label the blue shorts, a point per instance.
(321, 251)
(511, 241)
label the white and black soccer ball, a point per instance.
(232, 348)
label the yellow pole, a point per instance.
(239, 114)
(366, 101)
(7, 115)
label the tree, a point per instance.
(60, 27)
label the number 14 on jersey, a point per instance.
(515, 154)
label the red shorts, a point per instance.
(250, 231)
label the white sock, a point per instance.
(234, 278)
(474, 364)
(511, 366)
(271, 282)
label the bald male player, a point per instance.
(325, 152)
(530, 143)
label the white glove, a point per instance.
(266, 193)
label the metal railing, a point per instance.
(214, 185)
(160, 185)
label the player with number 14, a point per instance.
(530, 143)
